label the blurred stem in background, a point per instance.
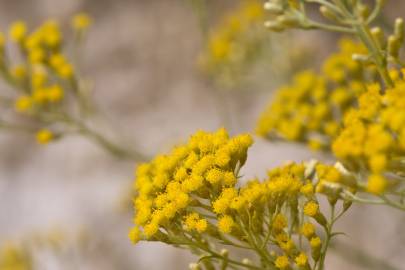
(116, 150)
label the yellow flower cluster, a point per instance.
(14, 257)
(81, 22)
(373, 137)
(234, 44)
(191, 197)
(310, 110)
(45, 77)
(170, 185)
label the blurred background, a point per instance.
(143, 59)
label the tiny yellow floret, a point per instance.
(301, 259)
(282, 262)
(315, 242)
(134, 235)
(81, 21)
(23, 104)
(311, 208)
(18, 31)
(308, 229)
(376, 184)
(225, 224)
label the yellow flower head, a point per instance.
(18, 31)
(308, 229)
(194, 222)
(315, 242)
(225, 224)
(376, 184)
(2, 41)
(23, 104)
(81, 21)
(307, 189)
(44, 136)
(282, 262)
(279, 222)
(311, 208)
(19, 72)
(301, 259)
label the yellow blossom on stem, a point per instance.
(81, 21)
(376, 184)
(301, 259)
(282, 262)
(18, 31)
(308, 229)
(44, 136)
(23, 104)
(311, 208)
(225, 224)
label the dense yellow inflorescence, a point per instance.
(191, 197)
(311, 109)
(373, 138)
(169, 185)
(234, 44)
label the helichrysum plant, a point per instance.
(194, 196)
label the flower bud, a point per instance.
(363, 11)
(274, 26)
(399, 29)
(288, 20)
(328, 13)
(273, 8)
(393, 46)
(194, 266)
(378, 36)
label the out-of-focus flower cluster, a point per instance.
(234, 44)
(44, 79)
(311, 109)
(191, 198)
(372, 140)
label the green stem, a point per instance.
(328, 231)
(112, 148)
